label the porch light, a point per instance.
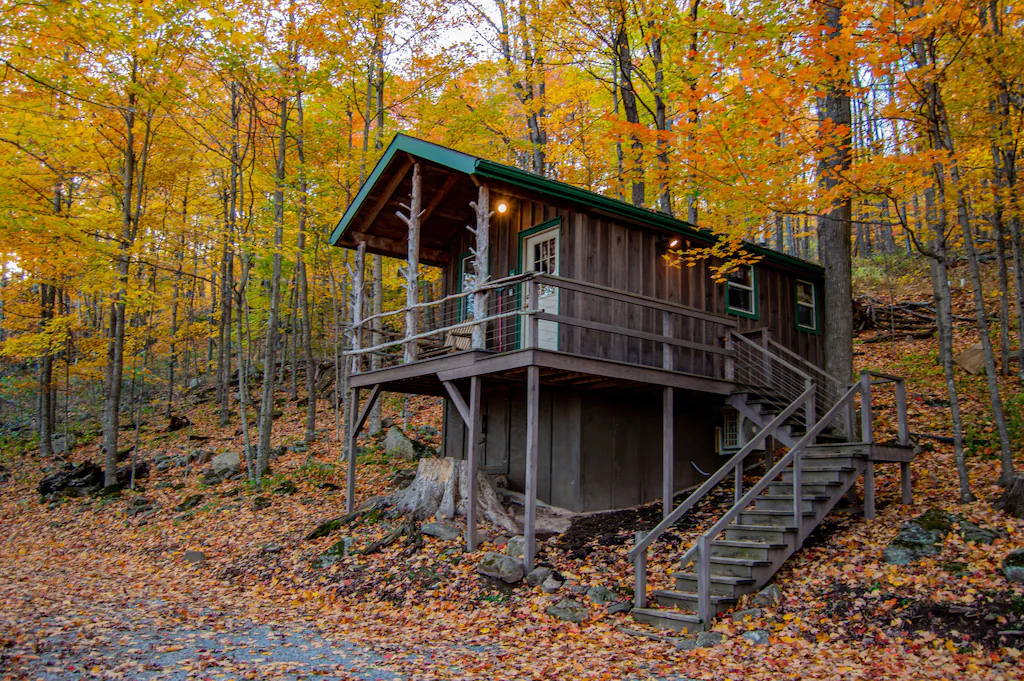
(502, 207)
(674, 243)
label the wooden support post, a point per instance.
(532, 323)
(901, 413)
(869, 490)
(353, 435)
(798, 511)
(412, 286)
(475, 427)
(906, 484)
(703, 579)
(532, 454)
(640, 575)
(810, 405)
(668, 449)
(737, 493)
(867, 435)
(481, 266)
(730, 362)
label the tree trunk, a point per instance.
(834, 226)
(270, 351)
(377, 327)
(47, 294)
(307, 325)
(629, 105)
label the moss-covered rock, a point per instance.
(1013, 566)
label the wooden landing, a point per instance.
(426, 377)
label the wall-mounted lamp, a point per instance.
(502, 207)
(670, 242)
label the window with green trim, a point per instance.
(741, 291)
(806, 305)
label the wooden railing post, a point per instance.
(640, 575)
(532, 323)
(810, 407)
(738, 483)
(906, 484)
(730, 361)
(703, 579)
(798, 512)
(666, 349)
(867, 435)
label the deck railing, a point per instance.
(541, 311)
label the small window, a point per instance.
(730, 432)
(806, 306)
(741, 291)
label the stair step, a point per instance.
(785, 503)
(816, 474)
(687, 600)
(737, 567)
(728, 548)
(673, 620)
(814, 489)
(773, 518)
(762, 533)
(721, 585)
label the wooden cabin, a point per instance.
(573, 357)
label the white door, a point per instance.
(541, 254)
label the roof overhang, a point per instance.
(450, 178)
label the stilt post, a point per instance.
(353, 436)
(472, 455)
(532, 454)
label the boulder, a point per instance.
(286, 487)
(226, 464)
(570, 610)
(124, 473)
(621, 606)
(333, 554)
(260, 503)
(551, 584)
(972, 360)
(709, 639)
(195, 557)
(538, 575)
(686, 644)
(84, 476)
(976, 533)
(758, 638)
(500, 566)
(1013, 566)
(919, 537)
(189, 503)
(740, 615)
(601, 595)
(443, 531)
(768, 597)
(111, 491)
(516, 546)
(398, 444)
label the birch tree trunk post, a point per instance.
(352, 395)
(270, 351)
(412, 221)
(481, 271)
(377, 327)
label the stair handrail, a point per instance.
(810, 404)
(638, 554)
(829, 384)
(792, 456)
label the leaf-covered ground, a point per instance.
(88, 592)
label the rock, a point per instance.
(124, 474)
(551, 584)
(201, 456)
(621, 606)
(443, 531)
(505, 568)
(972, 360)
(86, 475)
(919, 537)
(189, 503)
(195, 557)
(570, 610)
(538, 575)
(686, 644)
(111, 491)
(60, 445)
(226, 464)
(740, 615)
(709, 639)
(758, 638)
(515, 546)
(768, 597)
(260, 503)
(1013, 566)
(398, 444)
(333, 554)
(164, 465)
(975, 533)
(271, 548)
(286, 487)
(387, 422)
(177, 422)
(601, 595)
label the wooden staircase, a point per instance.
(767, 524)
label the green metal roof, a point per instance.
(482, 168)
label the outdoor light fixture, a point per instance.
(502, 207)
(670, 242)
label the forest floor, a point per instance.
(88, 592)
